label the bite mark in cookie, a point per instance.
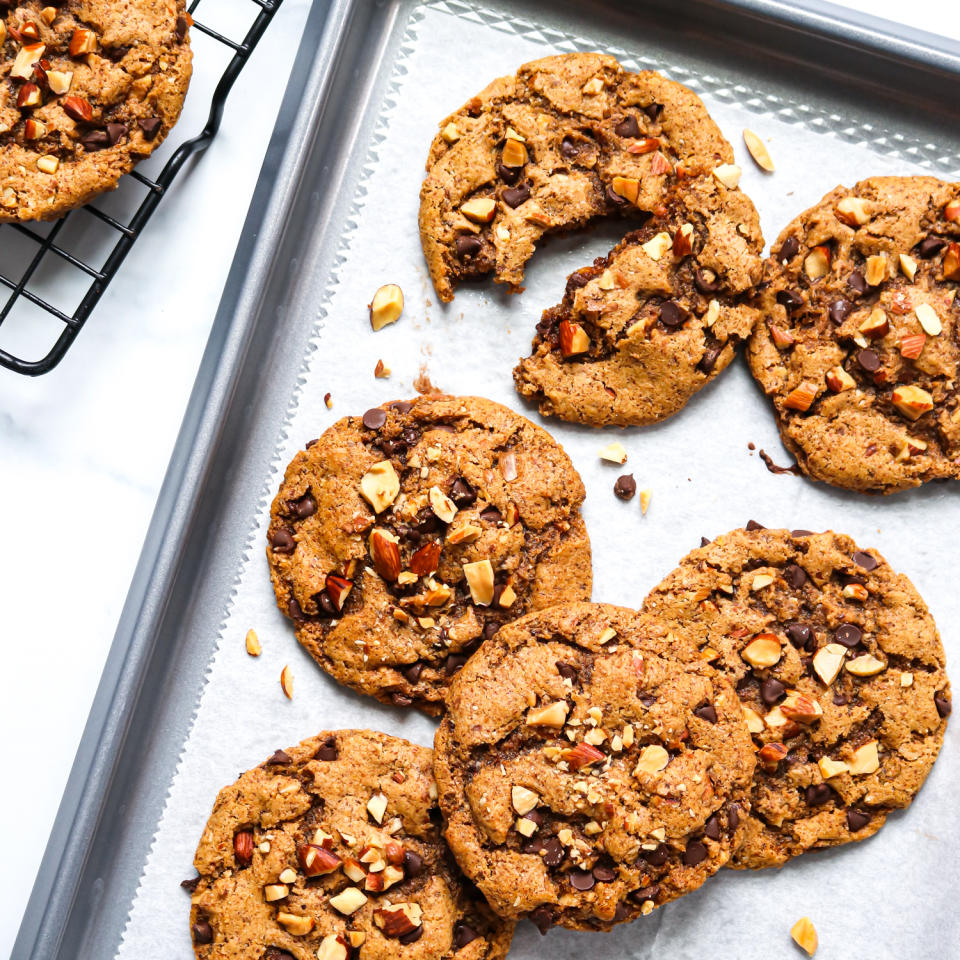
(402, 539)
(330, 849)
(591, 767)
(859, 349)
(840, 670)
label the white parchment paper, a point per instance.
(890, 897)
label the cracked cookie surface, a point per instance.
(591, 767)
(331, 849)
(859, 342)
(567, 139)
(401, 539)
(87, 88)
(646, 327)
(840, 670)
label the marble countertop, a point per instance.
(85, 448)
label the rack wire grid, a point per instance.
(24, 256)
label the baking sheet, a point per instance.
(891, 896)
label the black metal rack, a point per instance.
(45, 237)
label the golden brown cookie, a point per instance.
(859, 350)
(591, 767)
(569, 138)
(401, 539)
(840, 670)
(330, 849)
(646, 327)
(89, 88)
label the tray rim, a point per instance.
(103, 742)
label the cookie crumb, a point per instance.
(423, 385)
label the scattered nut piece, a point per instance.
(831, 768)
(853, 211)
(523, 800)
(828, 660)
(865, 759)
(763, 651)
(839, 380)
(607, 635)
(912, 402)
(286, 681)
(252, 643)
(817, 263)
(331, 948)
(753, 719)
(573, 339)
(614, 452)
(380, 371)
(805, 935)
(760, 581)
(629, 189)
(550, 715)
(593, 86)
(758, 151)
(275, 891)
(48, 164)
(327, 401)
(911, 346)
(876, 271)
(908, 265)
(652, 760)
(377, 807)
(386, 306)
(479, 209)
(514, 154)
(398, 919)
(866, 665)
(929, 320)
(658, 246)
(906, 679)
(646, 495)
(876, 325)
(728, 174)
(385, 554)
(450, 133)
(801, 708)
(442, 505)
(380, 485)
(801, 398)
(480, 580)
(348, 901)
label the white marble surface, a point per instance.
(83, 450)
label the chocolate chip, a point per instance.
(795, 575)
(294, 610)
(930, 247)
(275, 953)
(508, 174)
(454, 663)
(839, 310)
(849, 634)
(282, 541)
(401, 406)
(150, 127)
(553, 852)
(857, 819)
(467, 245)
(865, 561)
(706, 711)
(116, 132)
(801, 533)
(800, 635)
(581, 880)
(305, 507)
(817, 794)
(514, 196)
(569, 148)
(181, 28)
(604, 872)
(856, 282)
(412, 673)
(534, 816)
(771, 690)
(695, 853)
(374, 418)
(704, 284)
(566, 670)
(647, 699)
(489, 629)
(412, 863)
(413, 936)
(463, 934)
(628, 127)
(733, 817)
(542, 919)
(620, 912)
(94, 140)
(491, 515)
(711, 828)
(625, 487)
(643, 894)
(279, 756)
(191, 884)
(789, 249)
(328, 751)
(202, 932)
(461, 493)
(869, 360)
(705, 542)
(615, 198)
(672, 314)
(840, 700)
(657, 857)
(943, 704)
(709, 359)
(790, 299)
(326, 605)
(753, 525)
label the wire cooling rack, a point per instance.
(36, 259)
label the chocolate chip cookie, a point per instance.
(331, 849)
(89, 88)
(860, 348)
(840, 670)
(643, 329)
(591, 767)
(401, 539)
(567, 139)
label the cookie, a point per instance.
(591, 767)
(401, 539)
(859, 350)
(331, 849)
(840, 670)
(90, 88)
(569, 138)
(643, 329)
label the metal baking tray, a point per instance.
(840, 78)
